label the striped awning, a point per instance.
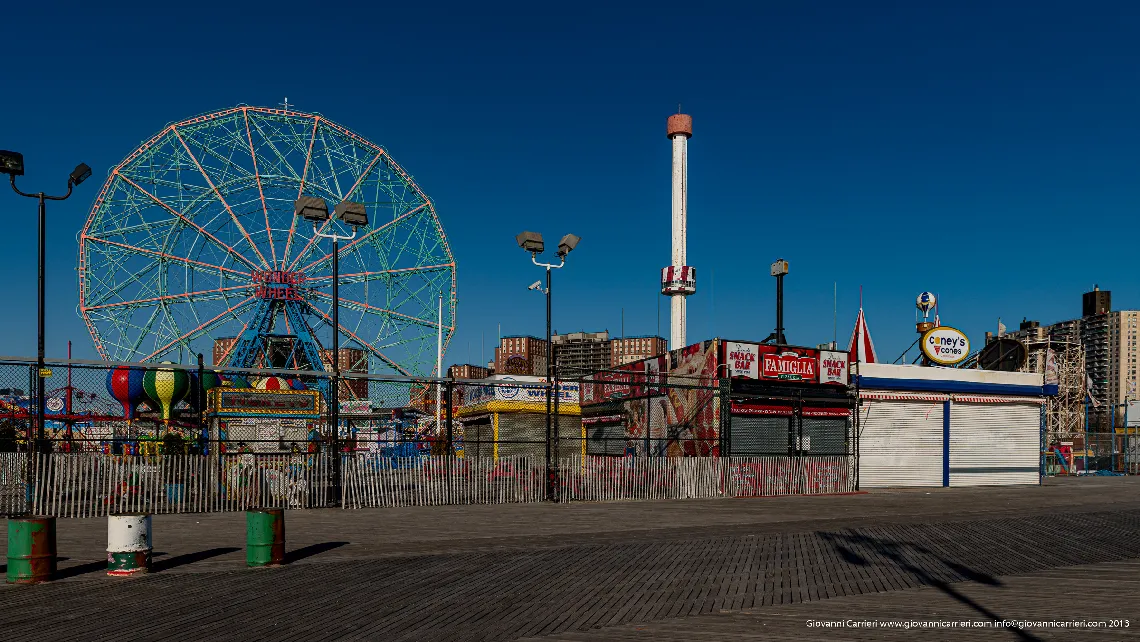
(997, 399)
(903, 396)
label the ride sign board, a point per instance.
(945, 346)
(246, 402)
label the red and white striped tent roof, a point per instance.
(272, 383)
(862, 349)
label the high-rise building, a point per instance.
(1096, 302)
(1110, 352)
(578, 354)
(629, 349)
(519, 355)
(1123, 354)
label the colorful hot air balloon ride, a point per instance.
(166, 387)
(125, 385)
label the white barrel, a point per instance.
(128, 543)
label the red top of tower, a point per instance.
(680, 124)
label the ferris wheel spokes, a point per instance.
(221, 199)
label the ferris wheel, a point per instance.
(192, 244)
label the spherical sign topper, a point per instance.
(945, 346)
(925, 302)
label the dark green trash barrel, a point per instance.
(264, 536)
(31, 549)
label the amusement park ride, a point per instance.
(194, 239)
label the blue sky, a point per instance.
(987, 153)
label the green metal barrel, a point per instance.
(31, 549)
(264, 536)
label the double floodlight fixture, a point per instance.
(12, 163)
(567, 244)
(314, 208)
(531, 242)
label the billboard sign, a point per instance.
(789, 364)
(742, 359)
(243, 402)
(833, 367)
(945, 346)
(523, 391)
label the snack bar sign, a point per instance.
(742, 359)
(833, 367)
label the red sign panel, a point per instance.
(789, 364)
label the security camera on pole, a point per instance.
(532, 242)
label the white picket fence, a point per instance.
(374, 481)
(13, 486)
(95, 484)
(600, 479)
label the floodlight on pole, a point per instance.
(316, 210)
(353, 214)
(311, 208)
(779, 270)
(11, 163)
(81, 173)
(567, 244)
(531, 242)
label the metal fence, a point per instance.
(166, 438)
(1096, 453)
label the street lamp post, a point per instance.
(354, 214)
(12, 163)
(779, 270)
(532, 242)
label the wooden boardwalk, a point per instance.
(677, 570)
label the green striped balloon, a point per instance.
(166, 387)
